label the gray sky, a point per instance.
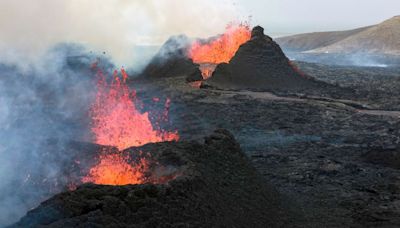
(28, 28)
(295, 16)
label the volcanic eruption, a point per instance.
(208, 53)
(179, 56)
(217, 187)
(260, 65)
(240, 58)
(116, 121)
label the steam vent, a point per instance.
(214, 186)
(260, 64)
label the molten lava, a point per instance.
(114, 169)
(222, 48)
(207, 69)
(116, 121)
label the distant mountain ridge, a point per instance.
(383, 38)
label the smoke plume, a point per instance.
(40, 105)
(112, 26)
(46, 86)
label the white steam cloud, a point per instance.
(28, 28)
(38, 104)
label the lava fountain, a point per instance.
(220, 49)
(116, 121)
(115, 169)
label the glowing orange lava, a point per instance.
(207, 70)
(114, 169)
(116, 121)
(223, 48)
(195, 84)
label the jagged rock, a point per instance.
(171, 60)
(258, 32)
(217, 188)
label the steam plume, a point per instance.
(113, 26)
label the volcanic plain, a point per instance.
(337, 160)
(324, 140)
(331, 146)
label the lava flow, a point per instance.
(219, 50)
(116, 121)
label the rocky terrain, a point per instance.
(339, 161)
(216, 186)
(337, 164)
(320, 149)
(377, 87)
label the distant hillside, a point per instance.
(310, 41)
(383, 38)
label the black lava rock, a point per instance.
(171, 60)
(195, 76)
(217, 188)
(260, 64)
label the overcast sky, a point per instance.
(294, 16)
(117, 26)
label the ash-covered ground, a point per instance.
(338, 160)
